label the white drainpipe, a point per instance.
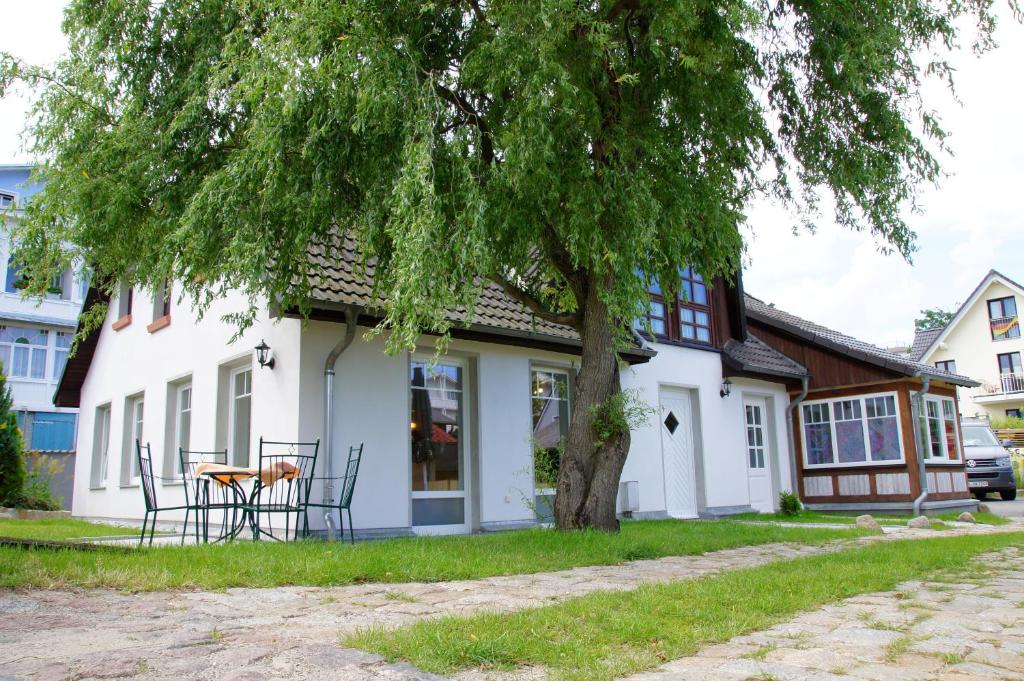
(805, 382)
(916, 402)
(351, 320)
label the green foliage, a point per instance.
(12, 463)
(935, 318)
(555, 147)
(789, 504)
(546, 462)
(621, 413)
(37, 494)
(1000, 422)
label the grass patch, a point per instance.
(315, 563)
(59, 529)
(806, 516)
(897, 648)
(607, 635)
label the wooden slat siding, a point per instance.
(827, 368)
(903, 389)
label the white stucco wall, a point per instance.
(133, 360)
(970, 344)
(719, 433)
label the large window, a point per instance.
(240, 414)
(133, 416)
(182, 423)
(549, 399)
(687, 318)
(851, 431)
(1011, 375)
(939, 432)
(1002, 315)
(23, 351)
(437, 444)
(100, 445)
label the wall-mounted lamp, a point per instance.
(726, 388)
(264, 356)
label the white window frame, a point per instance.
(178, 412)
(926, 433)
(101, 446)
(551, 369)
(134, 428)
(31, 348)
(232, 399)
(864, 423)
(465, 459)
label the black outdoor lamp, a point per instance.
(726, 388)
(263, 355)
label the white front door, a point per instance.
(759, 473)
(677, 452)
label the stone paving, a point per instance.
(293, 632)
(961, 630)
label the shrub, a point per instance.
(789, 504)
(12, 463)
(998, 422)
(37, 494)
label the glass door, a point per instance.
(437, 430)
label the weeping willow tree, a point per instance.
(570, 151)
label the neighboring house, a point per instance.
(983, 340)
(35, 337)
(854, 429)
(465, 445)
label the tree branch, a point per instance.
(538, 308)
(473, 117)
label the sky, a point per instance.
(972, 223)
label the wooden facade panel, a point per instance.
(827, 368)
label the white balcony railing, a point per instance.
(1006, 384)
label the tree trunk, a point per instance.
(588, 479)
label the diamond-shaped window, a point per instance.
(671, 422)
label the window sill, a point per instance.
(97, 488)
(159, 323)
(930, 462)
(172, 483)
(129, 485)
(121, 323)
(848, 466)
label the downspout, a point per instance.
(790, 408)
(351, 319)
(922, 474)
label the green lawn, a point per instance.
(606, 635)
(267, 564)
(58, 529)
(820, 517)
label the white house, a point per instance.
(35, 337)
(983, 341)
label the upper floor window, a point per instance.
(687, 318)
(124, 301)
(23, 351)
(7, 199)
(162, 301)
(948, 365)
(13, 282)
(1002, 316)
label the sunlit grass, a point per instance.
(806, 516)
(611, 634)
(58, 529)
(267, 564)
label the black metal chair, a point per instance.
(348, 486)
(282, 485)
(202, 495)
(149, 491)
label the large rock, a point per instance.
(920, 523)
(966, 517)
(868, 522)
(983, 508)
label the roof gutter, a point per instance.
(916, 402)
(351, 321)
(791, 437)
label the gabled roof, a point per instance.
(923, 338)
(978, 291)
(754, 356)
(761, 311)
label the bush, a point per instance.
(998, 422)
(12, 462)
(789, 504)
(37, 494)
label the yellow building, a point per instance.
(982, 341)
